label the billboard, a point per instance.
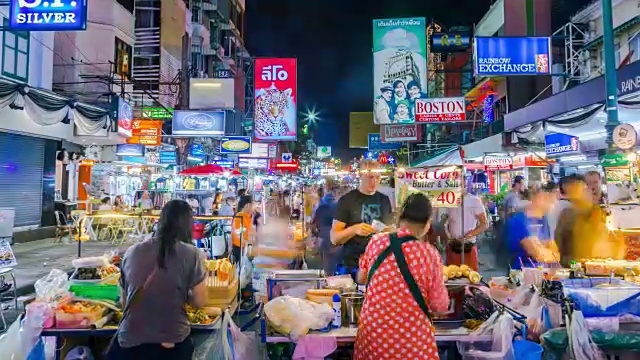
(399, 68)
(253, 163)
(48, 15)
(323, 152)
(129, 150)
(211, 93)
(400, 133)
(557, 143)
(235, 145)
(275, 99)
(198, 123)
(436, 110)
(375, 144)
(261, 150)
(452, 41)
(360, 125)
(124, 116)
(146, 132)
(499, 56)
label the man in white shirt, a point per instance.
(145, 202)
(463, 238)
(193, 202)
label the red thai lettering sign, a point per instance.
(400, 133)
(440, 110)
(275, 109)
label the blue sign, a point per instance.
(48, 15)
(197, 150)
(450, 42)
(226, 163)
(499, 56)
(556, 144)
(376, 144)
(168, 157)
(130, 150)
(198, 123)
(316, 172)
(371, 155)
(235, 145)
(391, 159)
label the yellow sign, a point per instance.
(236, 145)
(360, 126)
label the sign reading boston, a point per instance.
(48, 15)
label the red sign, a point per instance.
(287, 166)
(440, 110)
(146, 132)
(275, 110)
(400, 133)
(494, 163)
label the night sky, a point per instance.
(332, 40)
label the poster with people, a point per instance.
(441, 184)
(399, 69)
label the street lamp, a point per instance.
(311, 116)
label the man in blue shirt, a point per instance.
(528, 234)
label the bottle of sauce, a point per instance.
(629, 275)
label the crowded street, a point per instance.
(320, 180)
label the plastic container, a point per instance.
(597, 301)
(527, 350)
(96, 291)
(78, 320)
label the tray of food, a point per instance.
(460, 275)
(203, 318)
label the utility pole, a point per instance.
(611, 83)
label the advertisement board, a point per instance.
(276, 99)
(499, 56)
(259, 150)
(168, 157)
(323, 152)
(253, 163)
(436, 110)
(211, 93)
(130, 150)
(494, 163)
(48, 15)
(157, 113)
(376, 144)
(225, 163)
(360, 125)
(124, 116)
(452, 41)
(146, 132)
(441, 184)
(400, 133)
(399, 68)
(557, 143)
(198, 123)
(235, 145)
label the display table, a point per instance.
(62, 335)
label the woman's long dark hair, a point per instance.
(175, 225)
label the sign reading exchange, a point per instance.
(198, 123)
(499, 56)
(48, 15)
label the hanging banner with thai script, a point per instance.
(441, 184)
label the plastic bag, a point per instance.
(218, 245)
(246, 270)
(295, 317)
(245, 345)
(501, 329)
(580, 342)
(21, 338)
(79, 353)
(52, 287)
(215, 346)
(90, 262)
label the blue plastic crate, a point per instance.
(603, 302)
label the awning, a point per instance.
(477, 149)
(626, 25)
(447, 156)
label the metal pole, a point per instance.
(610, 71)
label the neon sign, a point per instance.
(48, 15)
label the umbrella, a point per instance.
(233, 172)
(204, 170)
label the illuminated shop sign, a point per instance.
(48, 15)
(499, 56)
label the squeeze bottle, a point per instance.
(337, 311)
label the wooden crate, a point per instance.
(222, 296)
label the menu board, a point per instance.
(441, 184)
(7, 257)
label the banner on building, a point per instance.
(275, 99)
(441, 184)
(440, 110)
(400, 133)
(557, 143)
(48, 15)
(375, 144)
(360, 126)
(500, 56)
(399, 68)
(198, 123)
(146, 132)
(452, 41)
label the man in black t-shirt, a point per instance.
(356, 212)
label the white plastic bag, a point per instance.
(21, 338)
(53, 286)
(218, 245)
(79, 353)
(245, 345)
(246, 269)
(295, 317)
(500, 327)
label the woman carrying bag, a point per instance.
(403, 273)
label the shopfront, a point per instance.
(503, 168)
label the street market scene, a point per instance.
(216, 180)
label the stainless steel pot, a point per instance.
(351, 308)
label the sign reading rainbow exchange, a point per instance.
(499, 56)
(48, 15)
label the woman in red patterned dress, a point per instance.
(405, 284)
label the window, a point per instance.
(196, 16)
(123, 56)
(616, 48)
(127, 4)
(634, 46)
(147, 19)
(15, 54)
(146, 61)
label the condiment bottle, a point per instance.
(337, 310)
(629, 275)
